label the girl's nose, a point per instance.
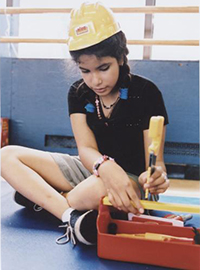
(96, 79)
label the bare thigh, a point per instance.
(39, 161)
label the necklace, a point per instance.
(111, 105)
(97, 101)
(123, 95)
(97, 106)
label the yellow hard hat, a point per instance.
(89, 25)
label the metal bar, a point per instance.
(148, 30)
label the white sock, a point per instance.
(66, 215)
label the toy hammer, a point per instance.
(155, 133)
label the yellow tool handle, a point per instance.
(155, 133)
(164, 206)
(148, 176)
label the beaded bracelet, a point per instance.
(98, 163)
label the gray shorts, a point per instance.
(74, 171)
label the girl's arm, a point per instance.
(158, 182)
(118, 185)
(85, 140)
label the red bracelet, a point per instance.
(98, 163)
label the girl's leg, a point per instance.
(87, 194)
(36, 176)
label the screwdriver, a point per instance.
(155, 133)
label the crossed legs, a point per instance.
(36, 176)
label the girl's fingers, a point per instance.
(129, 195)
(133, 196)
(159, 188)
(123, 201)
(142, 178)
(153, 182)
(120, 200)
(121, 196)
(158, 191)
(116, 201)
(128, 204)
(159, 177)
(111, 198)
(158, 170)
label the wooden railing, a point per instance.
(146, 10)
(146, 42)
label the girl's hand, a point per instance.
(158, 182)
(119, 188)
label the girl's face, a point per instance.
(100, 74)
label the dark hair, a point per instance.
(114, 46)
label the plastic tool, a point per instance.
(155, 133)
(158, 237)
(184, 208)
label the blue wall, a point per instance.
(34, 97)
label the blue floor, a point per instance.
(28, 241)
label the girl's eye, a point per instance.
(104, 68)
(85, 71)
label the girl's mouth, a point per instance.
(100, 90)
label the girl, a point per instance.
(110, 109)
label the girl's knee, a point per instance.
(95, 190)
(9, 153)
(99, 189)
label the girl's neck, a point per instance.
(111, 97)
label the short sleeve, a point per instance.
(76, 104)
(153, 104)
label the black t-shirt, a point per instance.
(121, 135)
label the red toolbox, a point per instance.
(174, 254)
